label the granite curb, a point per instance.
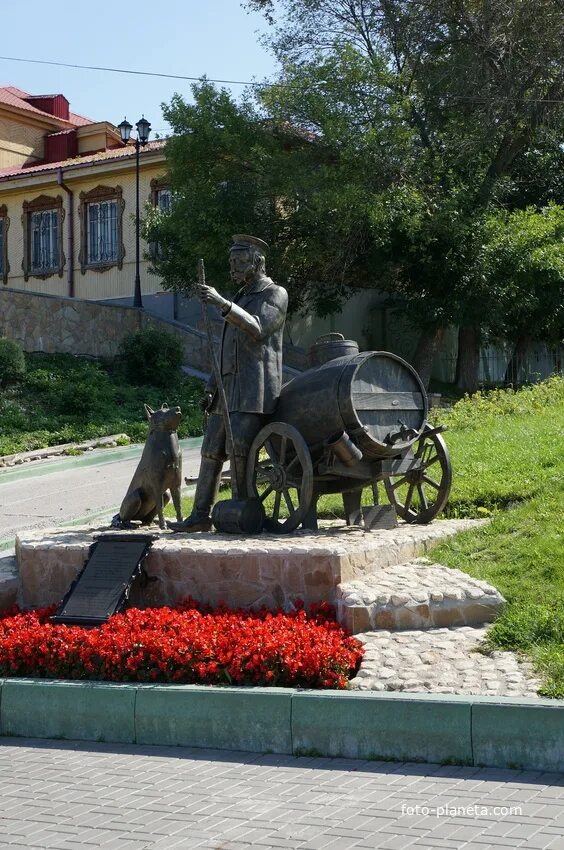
(56, 451)
(503, 732)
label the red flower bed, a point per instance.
(185, 645)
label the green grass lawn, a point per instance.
(65, 399)
(507, 453)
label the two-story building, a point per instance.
(67, 201)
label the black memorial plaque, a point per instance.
(102, 587)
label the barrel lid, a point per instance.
(386, 393)
(332, 339)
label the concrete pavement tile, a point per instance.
(433, 843)
(525, 830)
(329, 842)
(187, 842)
(397, 842)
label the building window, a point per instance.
(44, 229)
(43, 250)
(163, 197)
(4, 225)
(102, 232)
(101, 228)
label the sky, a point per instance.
(217, 38)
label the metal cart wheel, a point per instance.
(421, 494)
(280, 474)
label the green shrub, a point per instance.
(12, 362)
(478, 409)
(152, 356)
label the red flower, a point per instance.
(189, 643)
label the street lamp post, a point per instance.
(143, 129)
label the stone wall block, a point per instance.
(293, 577)
(445, 616)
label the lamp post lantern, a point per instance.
(143, 128)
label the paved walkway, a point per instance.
(69, 795)
(43, 494)
(442, 661)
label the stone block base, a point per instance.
(269, 570)
(9, 583)
(416, 595)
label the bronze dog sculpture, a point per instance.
(158, 473)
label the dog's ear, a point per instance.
(149, 411)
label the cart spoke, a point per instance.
(428, 463)
(428, 480)
(283, 450)
(422, 497)
(292, 462)
(409, 496)
(271, 450)
(276, 510)
(288, 500)
(399, 482)
(266, 493)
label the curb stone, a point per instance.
(56, 451)
(499, 732)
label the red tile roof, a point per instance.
(11, 96)
(77, 161)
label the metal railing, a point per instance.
(536, 364)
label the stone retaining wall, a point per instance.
(74, 326)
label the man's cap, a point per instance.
(242, 241)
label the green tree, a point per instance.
(233, 168)
(394, 132)
(523, 259)
(455, 93)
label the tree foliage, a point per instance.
(394, 134)
(524, 255)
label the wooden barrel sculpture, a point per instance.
(375, 397)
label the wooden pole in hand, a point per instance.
(219, 382)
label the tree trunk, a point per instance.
(512, 371)
(429, 343)
(468, 360)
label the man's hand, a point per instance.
(206, 402)
(211, 295)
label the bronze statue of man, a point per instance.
(251, 370)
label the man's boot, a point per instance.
(238, 470)
(206, 493)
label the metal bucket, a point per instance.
(238, 516)
(329, 347)
(344, 449)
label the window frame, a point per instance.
(98, 195)
(5, 225)
(43, 203)
(158, 184)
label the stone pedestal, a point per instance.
(268, 570)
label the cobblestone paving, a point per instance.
(416, 595)
(443, 661)
(417, 581)
(70, 795)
